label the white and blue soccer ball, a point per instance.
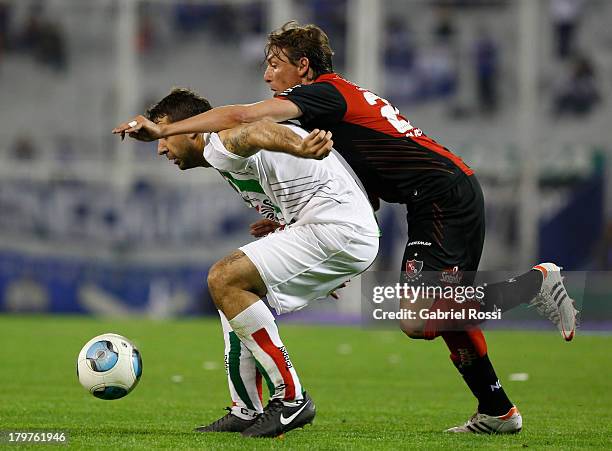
(109, 366)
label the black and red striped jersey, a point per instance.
(394, 160)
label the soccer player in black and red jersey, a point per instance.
(398, 163)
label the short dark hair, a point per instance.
(180, 104)
(298, 41)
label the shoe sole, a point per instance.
(202, 430)
(572, 332)
(569, 335)
(484, 433)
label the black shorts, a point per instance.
(446, 235)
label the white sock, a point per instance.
(243, 378)
(256, 328)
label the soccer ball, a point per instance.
(109, 366)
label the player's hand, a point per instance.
(317, 145)
(263, 227)
(139, 128)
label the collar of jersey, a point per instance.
(325, 77)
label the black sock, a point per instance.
(480, 376)
(508, 294)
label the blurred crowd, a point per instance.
(37, 36)
(420, 67)
(78, 212)
(424, 68)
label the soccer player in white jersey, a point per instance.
(329, 234)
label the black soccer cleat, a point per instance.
(227, 423)
(278, 417)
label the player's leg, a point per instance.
(446, 234)
(468, 347)
(541, 287)
(245, 385)
(414, 326)
(237, 290)
(298, 265)
(244, 379)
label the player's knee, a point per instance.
(412, 330)
(224, 277)
(218, 281)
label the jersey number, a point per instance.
(390, 113)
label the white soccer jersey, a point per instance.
(292, 190)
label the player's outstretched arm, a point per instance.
(246, 140)
(217, 119)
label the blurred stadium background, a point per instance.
(519, 88)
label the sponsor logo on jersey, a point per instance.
(268, 210)
(419, 243)
(413, 268)
(451, 276)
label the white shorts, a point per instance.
(306, 262)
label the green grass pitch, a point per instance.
(373, 389)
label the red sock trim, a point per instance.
(478, 340)
(264, 341)
(465, 345)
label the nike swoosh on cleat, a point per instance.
(285, 421)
